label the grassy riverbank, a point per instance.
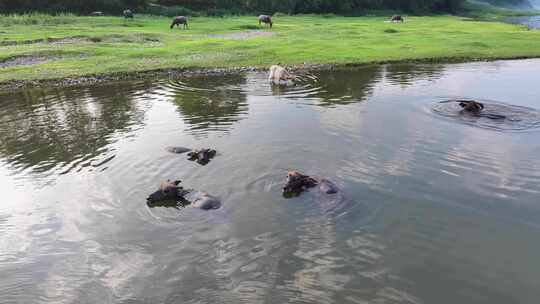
(45, 47)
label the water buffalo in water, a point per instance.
(267, 20)
(97, 14)
(397, 18)
(471, 106)
(170, 194)
(128, 14)
(328, 197)
(178, 20)
(168, 191)
(297, 183)
(202, 156)
(279, 75)
(475, 108)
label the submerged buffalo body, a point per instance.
(203, 200)
(180, 20)
(267, 20)
(329, 197)
(170, 194)
(178, 150)
(327, 187)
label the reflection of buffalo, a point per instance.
(267, 20)
(178, 20)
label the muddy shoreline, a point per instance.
(15, 85)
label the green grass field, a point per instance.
(103, 45)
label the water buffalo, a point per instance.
(178, 20)
(267, 20)
(297, 183)
(279, 75)
(476, 109)
(471, 106)
(202, 156)
(170, 194)
(128, 14)
(167, 191)
(98, 13)
(397, 18)
(328, 197)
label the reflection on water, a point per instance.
(432, 210)
(209, 104)
(330, 89)
(42, 130)
(409, 74)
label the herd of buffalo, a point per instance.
(183, 20)
(171, 194)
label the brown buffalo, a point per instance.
(267, 20)
(180, 20)
(397, 18)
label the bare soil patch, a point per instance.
(26, 60)
(242, 35)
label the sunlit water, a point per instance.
(435, 208)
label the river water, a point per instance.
(442, 207)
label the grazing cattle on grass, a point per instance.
(267, 20)
(397, 18)
(128, 14)
(178, 20)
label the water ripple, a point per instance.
(517, 118)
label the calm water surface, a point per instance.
(441, 210)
